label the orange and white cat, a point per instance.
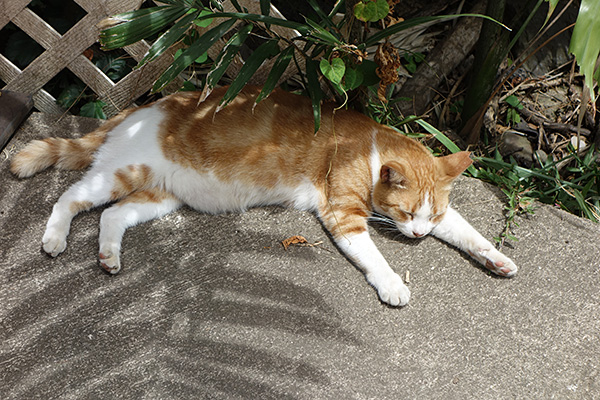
(152, 159)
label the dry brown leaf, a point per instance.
(388, 61)
(296, 239)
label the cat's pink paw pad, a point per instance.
(109, 262)
(503, 268)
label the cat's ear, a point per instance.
(391, 173)
(453, 165)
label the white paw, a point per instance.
(54, 242)
(109, 259)
(391, 289)
(497, 262)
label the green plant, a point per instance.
(512, 113)
(575, 188)
(323, 44)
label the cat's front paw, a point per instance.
(391, 289)
(496, 262)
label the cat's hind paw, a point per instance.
(54, 242)
(110, 261)
(391, 289)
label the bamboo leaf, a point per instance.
(321, 33)
(279, 67)
(314, 90)
(258, 56)
(400, 26)
(169, 38)
(190, 54)
(301, 28)
(225, 58)
(131, 27)
(265, 7)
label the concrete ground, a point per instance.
(214, 307)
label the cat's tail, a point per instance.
(62, 153)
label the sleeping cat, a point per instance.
(153, 159)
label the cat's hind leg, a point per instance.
(136, 208)
(98, 186)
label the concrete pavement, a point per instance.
(214, 307)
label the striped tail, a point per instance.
(62, 153)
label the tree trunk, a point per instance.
(491, 50)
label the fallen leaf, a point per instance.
(296, 239)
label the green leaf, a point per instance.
(224, 59)
(314, 91)
(585, 41)
(136, 25)
(192, 53)
(301, 28)
(200, 60)
(70, 95)
(93, 109)
(257, 57)
(513, 101)
(188, 87)
(279, 67)
(333, 71)
(167, 39)
(325, 19)
(353, 79)
(321, 33)
(265, 7)
(400, 26)
(371, 10)
(368, 69)
(203, 23)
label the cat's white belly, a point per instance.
(205, 192)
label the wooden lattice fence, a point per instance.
(67, 51)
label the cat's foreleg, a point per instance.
(455, 230)
(362, 251)
(138, 207)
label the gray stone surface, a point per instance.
(214, 307)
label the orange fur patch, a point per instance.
(130, 179)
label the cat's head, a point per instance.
(415, 193)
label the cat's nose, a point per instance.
(418, 235)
